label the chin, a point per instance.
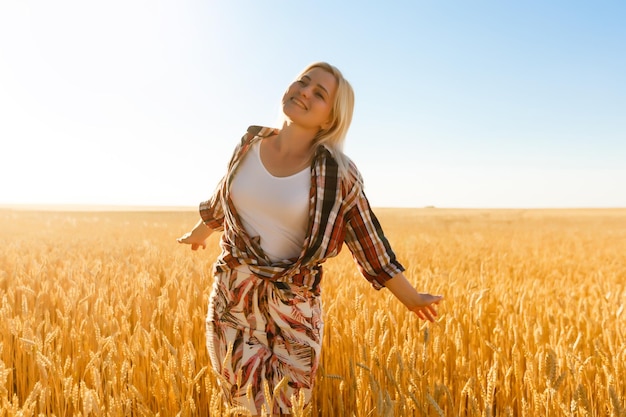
(290, 117)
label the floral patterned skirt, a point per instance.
(263, 334)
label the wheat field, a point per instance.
(103, 315)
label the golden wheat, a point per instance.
(103, 314)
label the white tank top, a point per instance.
(274, 208)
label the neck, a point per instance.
(295, 140)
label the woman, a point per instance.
(289, 200)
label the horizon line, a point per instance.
(139, 207)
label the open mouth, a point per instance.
(299, 103)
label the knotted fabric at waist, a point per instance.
(308, 277)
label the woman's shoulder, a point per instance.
(255, 131)
(253, 134)
(345, 170)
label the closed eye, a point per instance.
(320, 90)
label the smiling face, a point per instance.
(309, 101)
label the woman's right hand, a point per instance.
(189, 239)
(197, 237)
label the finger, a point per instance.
(184, 237)
(427, 314)
(420, 314)
(430, 317)
(432, 310)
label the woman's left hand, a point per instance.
(425, 307)
(422, 304)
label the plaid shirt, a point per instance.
(338, 212)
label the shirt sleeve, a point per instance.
(212, 210)
(368, 244)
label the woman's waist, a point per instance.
(308, 276)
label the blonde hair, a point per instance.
(334, 136)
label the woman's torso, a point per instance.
(273, 208)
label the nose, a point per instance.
(305, 91)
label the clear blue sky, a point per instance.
(459, 103)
